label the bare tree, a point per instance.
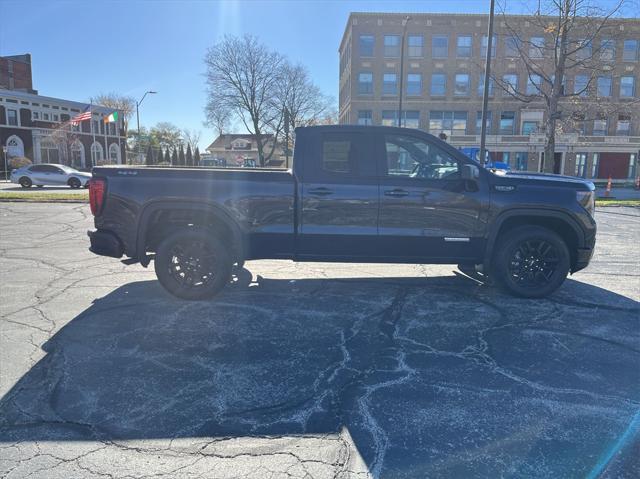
(304, 101)
(570, 41)
(191, 137)
(166, 135)
(218, 117)
(123, 103)
(243, 78)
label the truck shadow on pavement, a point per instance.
(431, 377)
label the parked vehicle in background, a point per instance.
(474, 154)
(214, 162)
(355, 194)
(49, 174)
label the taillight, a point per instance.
(97, 189)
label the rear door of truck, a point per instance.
(338, 195)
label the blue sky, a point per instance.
(81, 48)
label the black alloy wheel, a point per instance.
(531, 261)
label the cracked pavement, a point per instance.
(311, 370)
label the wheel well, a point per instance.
(557, 225)
(164, 222)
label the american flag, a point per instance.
(85, 115)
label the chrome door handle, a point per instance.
(320, 192)
(397, 192)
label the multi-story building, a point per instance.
(38, 127)
(442, 68)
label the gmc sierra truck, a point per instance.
(355, 194)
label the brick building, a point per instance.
(37, 127)
(443, 73)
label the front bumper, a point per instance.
(105, 243)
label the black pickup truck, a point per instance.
(355, 194)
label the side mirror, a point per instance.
(470, 172)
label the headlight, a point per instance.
(588, 200)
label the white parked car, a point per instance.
(49, 174)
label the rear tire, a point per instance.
(531, 262)
(74, 183)
(25, 182)
(193, 264)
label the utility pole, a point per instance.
(138, 116)
(485, 95)
(404, 34)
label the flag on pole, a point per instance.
(113, 117)
(85, 115)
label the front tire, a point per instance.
(193, 264)
(25, 182)
(74, 183)
(531, 262)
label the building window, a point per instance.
(336, 155)
(56, 117)
(507, 122)
(631, 172)
(581, 165)
(440, 46)
(49, 152)
(521, 160)
(483, 46)
(607, 50)
(630, 51)
(600, 127)
(414, 84)
(45, 116)
(389, 84)
(390, 117)
(366, 44)
(534, 85)
(579, 123)
(365, 117)
(463, 46)
(623, 126)
(35, 115)
(510, 82)
(12, 117)
(479, 122)
(461, 86)
(391, 46)
(415, 45)
(438, 84)
(481, 86)
(584, 49)
(411, 119)
(604, 86)
(580, 85)
(97, 153)
(627, 87)
(536, 47)
(365, 83)
(594, 165)
(448, 122)
(511, 47)
(114, 154)
(529, 127)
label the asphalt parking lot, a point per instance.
(311, 370)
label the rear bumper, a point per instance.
(105, 243)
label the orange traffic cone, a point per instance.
(607, 192)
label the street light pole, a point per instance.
(485, 95)
(404, 34)
(138, 103)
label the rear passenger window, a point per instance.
(336, 156)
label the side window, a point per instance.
(337, 155)
(411, 157)
(36, 168)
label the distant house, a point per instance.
(242, 149)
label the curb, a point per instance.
(36, 200)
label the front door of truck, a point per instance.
(427, 211)
(339, 197)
